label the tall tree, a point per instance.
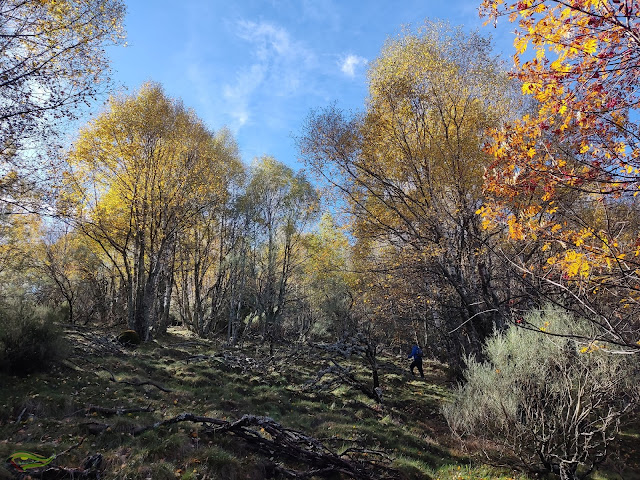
(326, 283)
(206, 250)
(568, 175)
(19, 236)
(143, 172)
(281, 204)
(411, 169)
(52, 62)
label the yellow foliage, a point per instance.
(590, 45)
(576, 264)
(521, 44)
(145, 167)
(516, 231)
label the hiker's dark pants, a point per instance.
(417, 362)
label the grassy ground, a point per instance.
(47, 413)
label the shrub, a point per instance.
(29, 339)
(553, 401)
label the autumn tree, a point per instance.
(325, 285)
(19, 236)
(77, 280)
(142, 173)
(52, 62)
(281, 205)
(43, 266)
(410, 169)
(206, 252)
(55, 261)
(566, 177)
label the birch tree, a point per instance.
(141, 173)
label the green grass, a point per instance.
(474, 472)
(51, 406)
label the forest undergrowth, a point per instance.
(249, 416)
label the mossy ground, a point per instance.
(51, 408)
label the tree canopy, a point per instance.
(52, 63)
(141, 173)
(410, 169)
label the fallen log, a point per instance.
(268, 437)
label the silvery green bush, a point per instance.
(549, 395)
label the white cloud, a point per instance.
(274, 46)
(278, 67)
(269, 68)
(239, 94)
(268, 39)
(350, 63)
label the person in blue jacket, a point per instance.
(416, 353)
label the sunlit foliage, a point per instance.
(142, 172)
(566, 177)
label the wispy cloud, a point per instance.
(351, 63)
(278, 67)
(268, 39)
(238, 94)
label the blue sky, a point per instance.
(260, 66)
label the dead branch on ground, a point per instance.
(117, 410)
(136, 382)
(91, 343)
(244, 363)
(361, 345)
(268, 437)
(342, 375)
